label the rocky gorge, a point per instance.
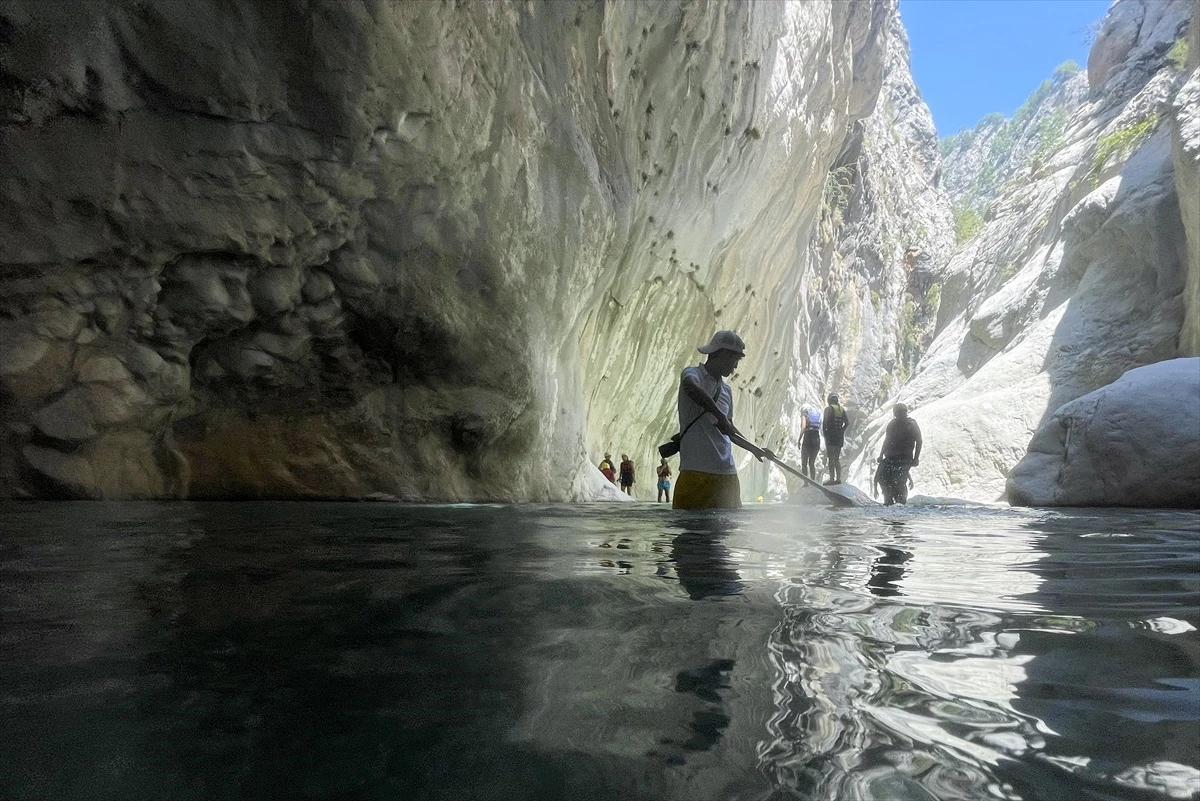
(456, 251)
(1077, 265)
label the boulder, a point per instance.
(1135, 442)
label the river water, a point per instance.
(377, 651)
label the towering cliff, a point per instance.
(831, 307)
(1078, 262)
(872, 293)
(434, 250)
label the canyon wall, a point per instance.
(458, 251)
(423, 250)
(823, 308)
(1078, 259)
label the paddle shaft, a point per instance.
(840, 500)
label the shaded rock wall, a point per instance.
(1186, 153)
(433, 250)
(1078, 274)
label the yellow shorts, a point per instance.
(696, 490)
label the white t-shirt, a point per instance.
(704, 448)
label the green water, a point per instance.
(322, 651)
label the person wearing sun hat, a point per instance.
(707, 473)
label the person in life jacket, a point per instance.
(810, 440)
(900, 453)
(606, 467)
(833, 426)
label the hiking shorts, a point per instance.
(696, 490)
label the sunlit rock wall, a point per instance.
(1079, 272)
(824, 307)
(430, 250)
(869, 297)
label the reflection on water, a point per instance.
(203, 651)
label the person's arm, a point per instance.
(917, 452)
(692, 388)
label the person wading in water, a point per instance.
(833, 426)
(626, 474)
(810, 441)
(707, 474)
(664, 481)
(900, 453)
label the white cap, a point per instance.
(724, 340)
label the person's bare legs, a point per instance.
(834, 455)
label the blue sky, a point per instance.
(973, 57)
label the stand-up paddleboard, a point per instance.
(837, 494)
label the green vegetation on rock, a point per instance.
(1177, 56)
(933, 298)
(967, 223)
(1049, 136)
(1065, 70)
(953, 142)
(838, 185)
(1031, 104)
(1120, 143)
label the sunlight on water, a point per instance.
(612, 651)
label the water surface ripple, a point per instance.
(374, 651)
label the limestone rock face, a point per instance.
(1079, 272)
(1135, 442)
(1186, 152)
(431, 250)
(871, 291)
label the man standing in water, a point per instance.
(833, 426)
(707, 474)
(900, 453)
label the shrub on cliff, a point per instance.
(1177, 56)
(1065, 70)
(967, 223)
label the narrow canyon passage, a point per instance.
(339, 340)
(457, 251)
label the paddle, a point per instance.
(838, 499)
